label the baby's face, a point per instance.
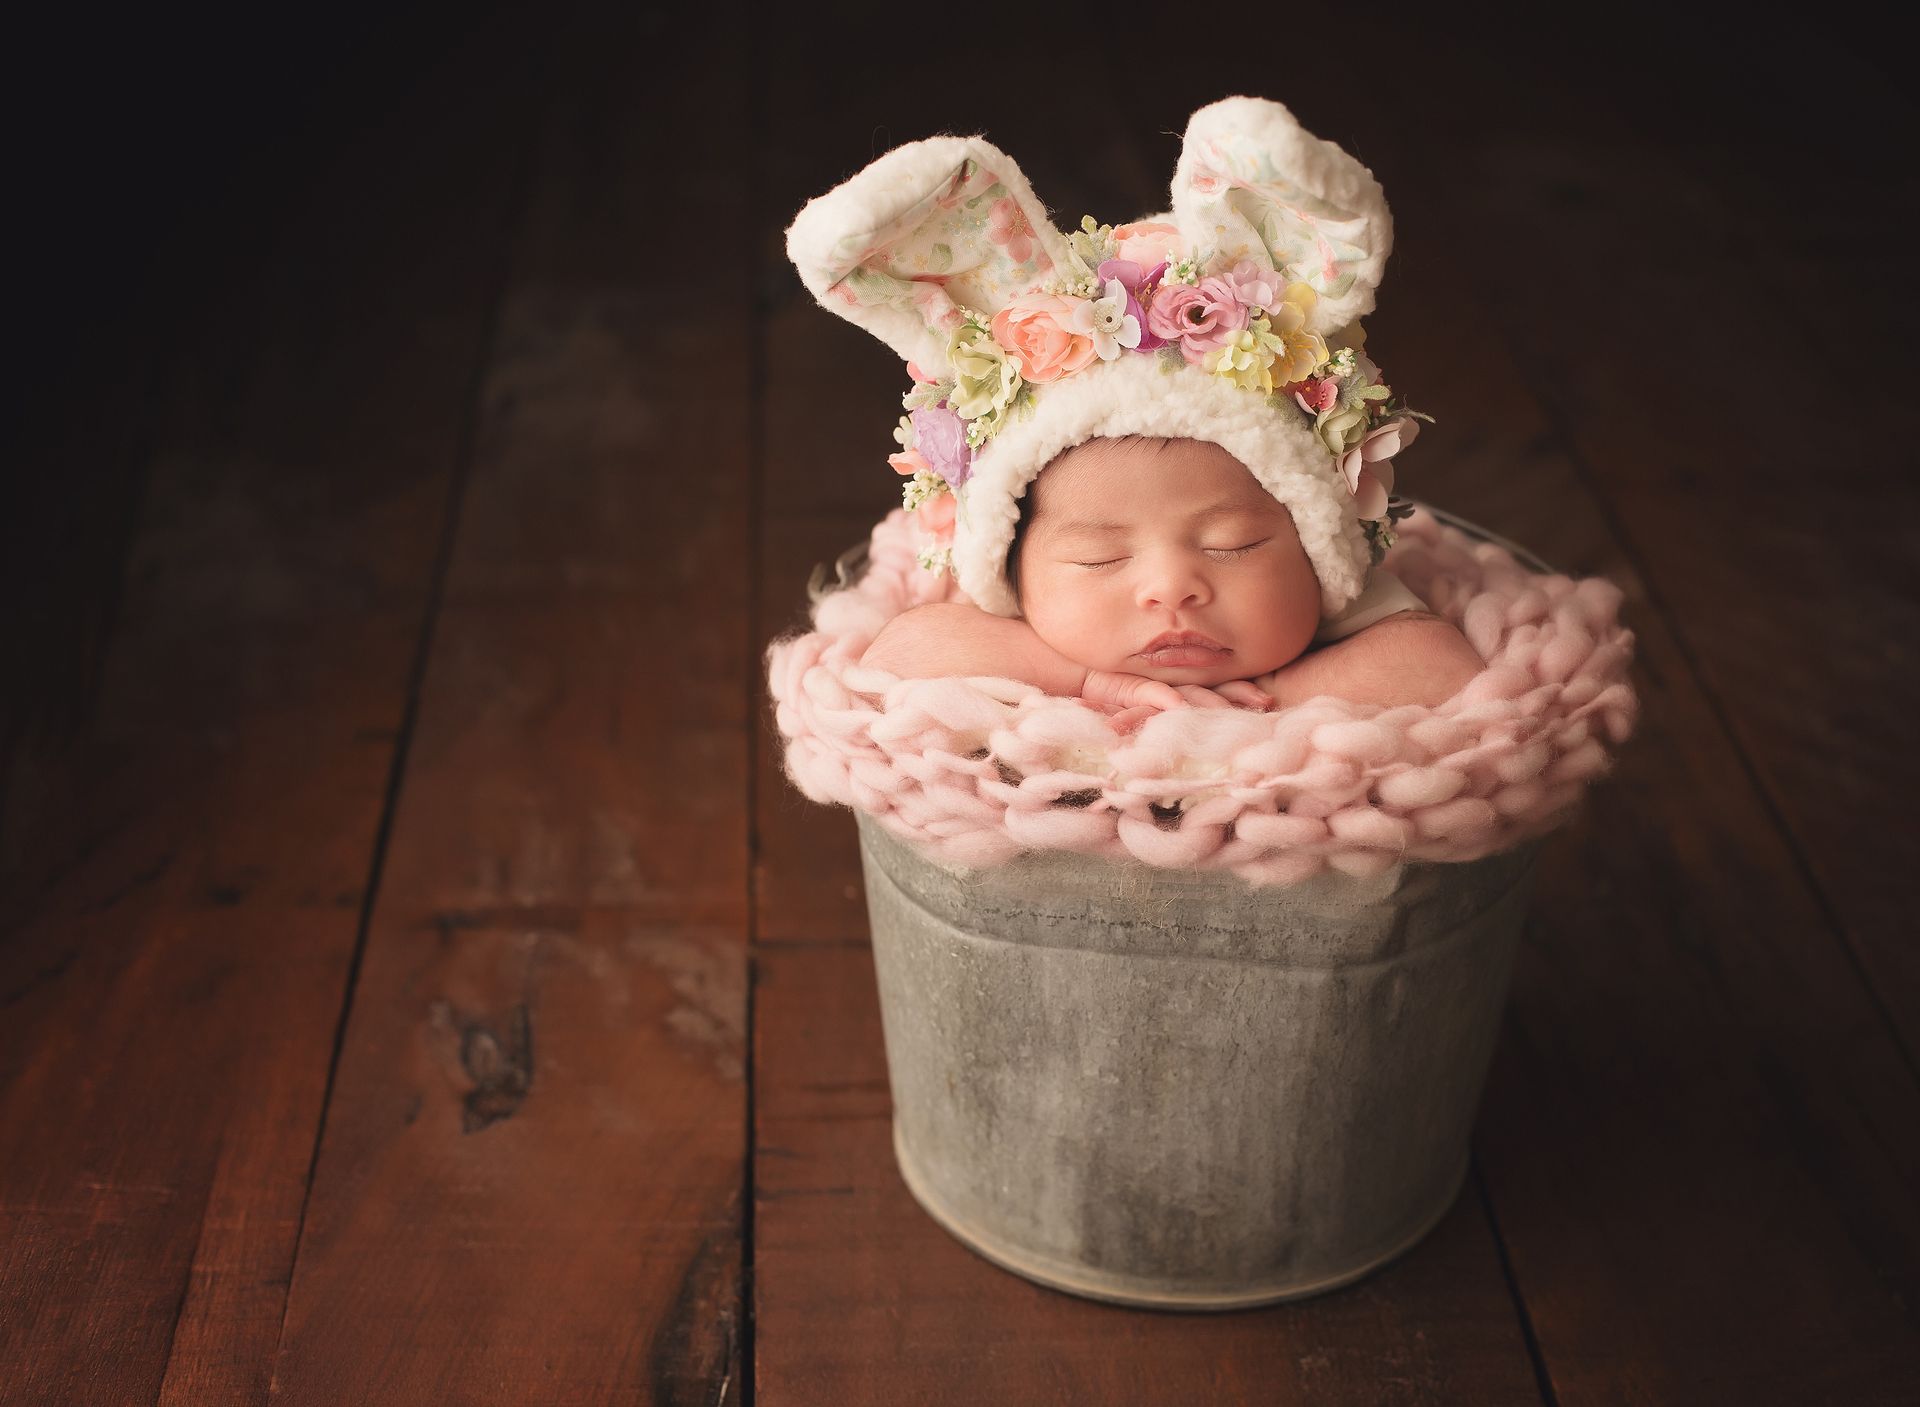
(1130, 541)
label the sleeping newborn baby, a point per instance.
(1154, 573)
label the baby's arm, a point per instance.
(1413, 657)
(951, 638)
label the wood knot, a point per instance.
(500, 1064)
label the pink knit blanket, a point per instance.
(977, 770)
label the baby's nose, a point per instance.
(1172, 585)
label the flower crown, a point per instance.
(1132, 291)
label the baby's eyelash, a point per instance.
(1221, 554)
(1228, 553)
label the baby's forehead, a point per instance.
(1105, 482)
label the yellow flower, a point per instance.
(1302, 353)
(1247, 357)
(985, 381)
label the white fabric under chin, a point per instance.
(1385, 595)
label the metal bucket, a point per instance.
(1168, 1088)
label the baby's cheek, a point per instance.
(1079, 625)
(1069, 636)
(1284, 615)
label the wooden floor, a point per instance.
(420, 985)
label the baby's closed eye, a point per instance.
(1218, 554)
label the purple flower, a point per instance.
(941, 438)
(1137, 281)
(1257, 286)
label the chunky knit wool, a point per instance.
(975, 771)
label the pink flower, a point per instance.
(1317, 395)
(1146, 242)
(935, 516)
(909, 462)
(1368, 465)
(1200, 317)
(1255, 285)
(1007, 226)
(1034, 329)
(1139, 283)
(920, 376)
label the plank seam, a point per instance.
(1541, 1376)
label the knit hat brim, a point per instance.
(1153, 396)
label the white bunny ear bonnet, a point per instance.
(1232, 320)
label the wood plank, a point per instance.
(171, 998)
(863, 1298)
(859, 1295)
(530, 1185)
(1739, 480)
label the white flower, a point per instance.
(921, 487)
(1107, 321)
(1185, 269)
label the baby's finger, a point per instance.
(1128, 719)
(1244, 693)
(1199, 696)
(1127, 690)
(1152, 691)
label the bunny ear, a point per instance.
(1252, 183)
(930, 228)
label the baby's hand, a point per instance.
(1237, 693)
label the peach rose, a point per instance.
(1146, 242)
(1034, 330)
